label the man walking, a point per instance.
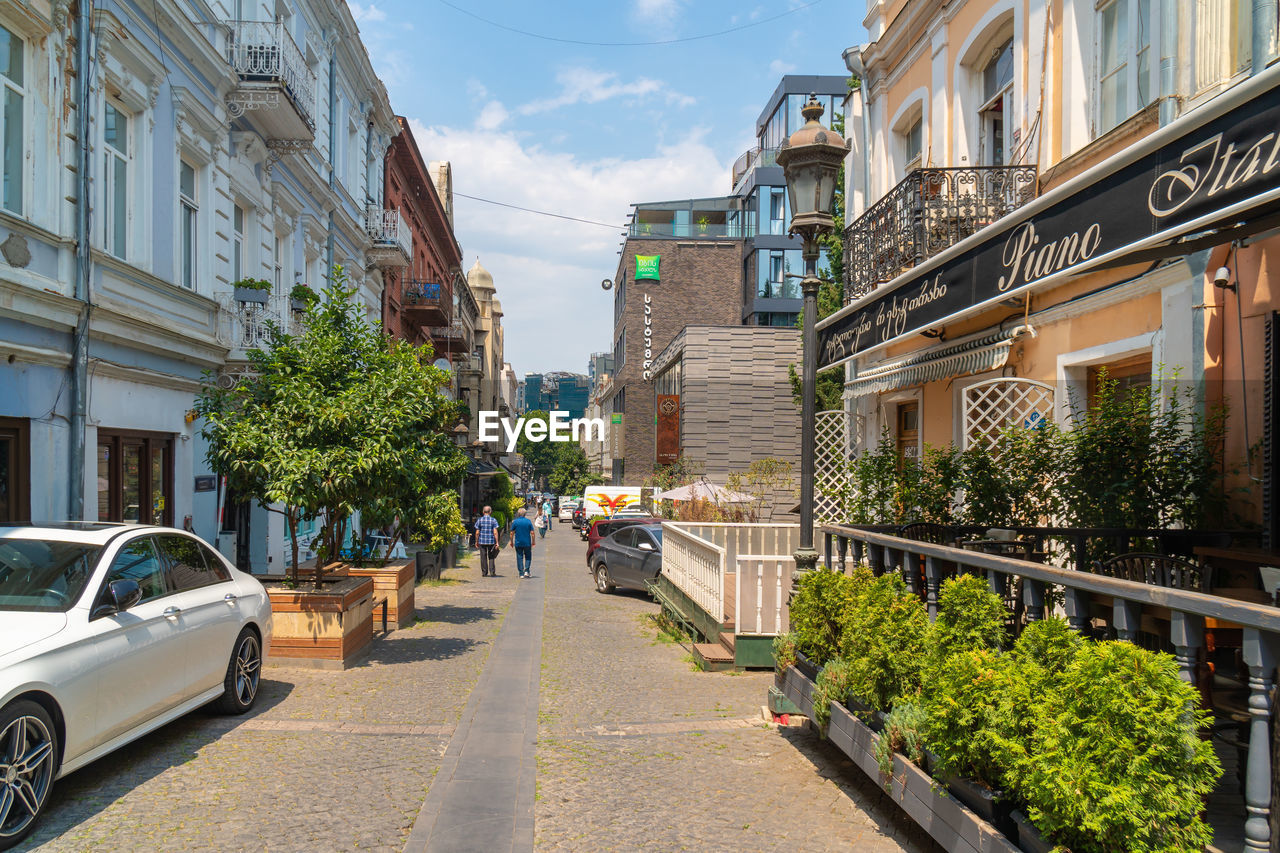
(522, 540)
(487, 542)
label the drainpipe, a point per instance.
(333, 153)
(1264, 34)
(853, 61)
(79, 366)
(1169, 18)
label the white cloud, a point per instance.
(777, 68)
(367, 14)
(493, 116)
(547, 270)
(587, 86)
(655, 12)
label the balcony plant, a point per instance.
(252, 290)
(302, 297)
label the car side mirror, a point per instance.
(647, 546)
(120, 596)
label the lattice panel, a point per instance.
(834, 440)
(993, 406)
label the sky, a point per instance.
(540, 120)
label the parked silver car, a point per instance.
(107, 632)
(628, 557)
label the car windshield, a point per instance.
(42, 574)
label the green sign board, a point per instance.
(647, 267)
(617, 417)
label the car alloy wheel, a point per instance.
(244, 670)
(28, 757)
(603, 582)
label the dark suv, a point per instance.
(602, 527)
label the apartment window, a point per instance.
(1124, 61)
(277, 270)
(13, 80)
(997, 88)
(1224, 40)
(15, 470)
(620, 350)
(237, 242)
(914, 139)
(116, 169)
(135, 477)
(188, 220)
(777, 210)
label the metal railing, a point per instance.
(245, 325)
(729, 231)
(263, 51)
(387, 228)
(455, 331)
(1081, 593)
(927, 212)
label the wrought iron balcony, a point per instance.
(453, 338)
(929, 211)
(271, 70)
(392, 240)
(426, 302)
(245, 325)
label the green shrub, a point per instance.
(1115, 761)
(970, 616)
(884, 642)
(832, 686)
(819, 611)
(784, 651)
(904, 733)
(963, 705)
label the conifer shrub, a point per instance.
(832, 685)
(903, 732)
(820, 610)
(884, 642)
(962, 704)
(970, 616)
(784, 651)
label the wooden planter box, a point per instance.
(395, 583)
(952, 825)
(326, 629)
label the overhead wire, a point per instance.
(538, 212)
(589, 43)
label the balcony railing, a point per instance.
(264, 52)
(423, 293)
(455, 331)
(388, 230)
(245, 325)
(730, 231)
(756, 157)
(929, 211)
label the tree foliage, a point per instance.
(337, 420)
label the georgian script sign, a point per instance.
(1223, 162)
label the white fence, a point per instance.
(738, 573)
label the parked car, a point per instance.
(602, 527)
(107, 632)
(628, 557)
(566, 511)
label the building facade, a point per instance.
(221, 144)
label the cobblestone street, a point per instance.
(635, 749)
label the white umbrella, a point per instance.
(704, 491)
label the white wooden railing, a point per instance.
(750, 562)
(762, 586)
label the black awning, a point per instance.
(1219, 163)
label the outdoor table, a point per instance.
(1237, 567)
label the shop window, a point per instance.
(15, 470)
(1129, 375)
(135, 477)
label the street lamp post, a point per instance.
(811, 160)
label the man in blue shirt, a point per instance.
(487, 542)
(522, 540)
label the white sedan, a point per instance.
(566, 511)
(108, 632)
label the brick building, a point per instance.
(699, 271)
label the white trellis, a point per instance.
(994, 405)
(834, 440)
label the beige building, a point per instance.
(1038, 190)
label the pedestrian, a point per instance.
(522, 540)
(541, 524)
(487, 542)
(546, 513)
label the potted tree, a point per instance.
(337, 418)
(252, 291)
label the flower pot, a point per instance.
(298, 306)
(328, 628)
(992, 806)
(394, 583)
(251, 296)
(873, 718)
(1029, 838)
(451, 556)
(428, 565)
(807, 667)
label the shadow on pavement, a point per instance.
(91, 789)
(456, 614)
(405, 648)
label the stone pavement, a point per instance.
(633, 748)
